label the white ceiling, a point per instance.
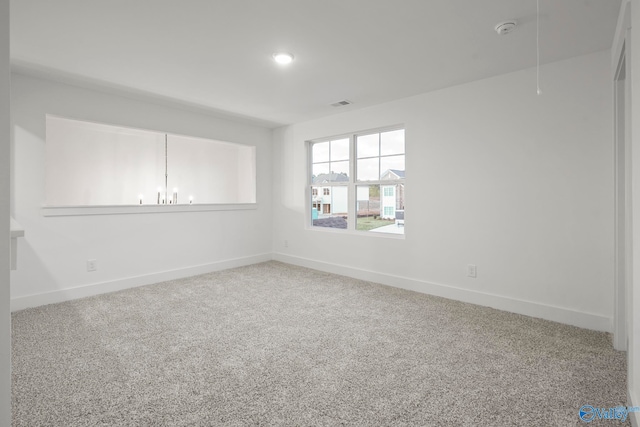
(216, 54)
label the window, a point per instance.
(92, 164)
(363, 178)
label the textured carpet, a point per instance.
(274, 344)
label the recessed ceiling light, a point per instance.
(283, 57)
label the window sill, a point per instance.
(356, 232)
(142, 209)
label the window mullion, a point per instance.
(352, 211)
(379, 156)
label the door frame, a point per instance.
(622, 183)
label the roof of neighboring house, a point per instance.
(397, 172)
(330, 177)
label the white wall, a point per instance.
(97, 164)
(520, 185)
(211, 171)
(5, 316)
(130, 249)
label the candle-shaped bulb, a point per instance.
(140, 198)
(190, 199)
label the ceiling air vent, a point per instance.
(341, 103)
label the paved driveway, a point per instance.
(391, 229)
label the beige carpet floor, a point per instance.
(273, 344)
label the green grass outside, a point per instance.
(368, 223)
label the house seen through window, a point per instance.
(362, 177)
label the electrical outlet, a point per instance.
(471, 270)
(92, 265)
(286, 243)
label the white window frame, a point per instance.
(351, 185)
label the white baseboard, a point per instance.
(554, 313)
(67, 294)
(633, 402)
(527, 308)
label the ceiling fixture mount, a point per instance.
(505, 27)
(283, 57)
(538, 91)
